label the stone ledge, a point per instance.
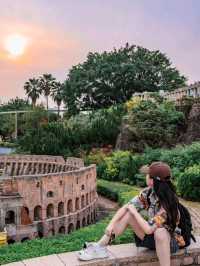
(120, 255)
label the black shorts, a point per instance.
(149, 242)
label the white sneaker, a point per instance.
(92, 252)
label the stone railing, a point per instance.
(192, 90)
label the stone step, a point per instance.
(120, 255)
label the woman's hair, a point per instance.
(168, 199)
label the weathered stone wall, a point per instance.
(58, 201)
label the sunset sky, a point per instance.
(54, 35)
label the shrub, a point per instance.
(81, 132)
(154, 125)
(120, 166)
(189, 183)
(116, 191)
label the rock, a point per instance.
(128, 139)
(193, 124)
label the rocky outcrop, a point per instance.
(128, 138)
(193, 125)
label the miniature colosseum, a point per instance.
(45, 195)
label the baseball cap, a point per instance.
(159, 170)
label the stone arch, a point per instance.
(60, 208)
(88, 219)
(50, 194)
(61, 230)
(78, 225)
(11, 241)
(70, 228)
(82, 201)
(10, 217)
(77, 204)
(83, 222)
(40, 229)
(25, 219)
(51, 232)
(50, 210)
(69, 206)
(25, 239)
(37, 213)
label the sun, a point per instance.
(16, 45)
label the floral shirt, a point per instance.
(156, 215)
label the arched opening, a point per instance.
(83, 222)
(82, 201)
(25, 239)
(60, 208)
(37, 213)
(25, 219)
(51, 232)
(40, 229)
(70, 228)
(87, 202)
(10, 241)
(78, 225)
(50, 211)
(50, 194)
(61, 230)
(69, 206)
(10, 217)
(88, 219)
(77, 205)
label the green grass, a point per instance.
(59, 244)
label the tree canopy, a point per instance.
(112, 77)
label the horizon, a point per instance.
(55, 36)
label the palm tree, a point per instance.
(47, 85)
(57, 94)
(33, 90)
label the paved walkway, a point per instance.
(194, 208)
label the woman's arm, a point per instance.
(148, 229)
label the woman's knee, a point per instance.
(161, 234)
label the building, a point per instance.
(45, 195)
(192, 90)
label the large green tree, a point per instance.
(112, 77)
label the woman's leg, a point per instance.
(119, 226)
(162, 239)
(128, 220)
